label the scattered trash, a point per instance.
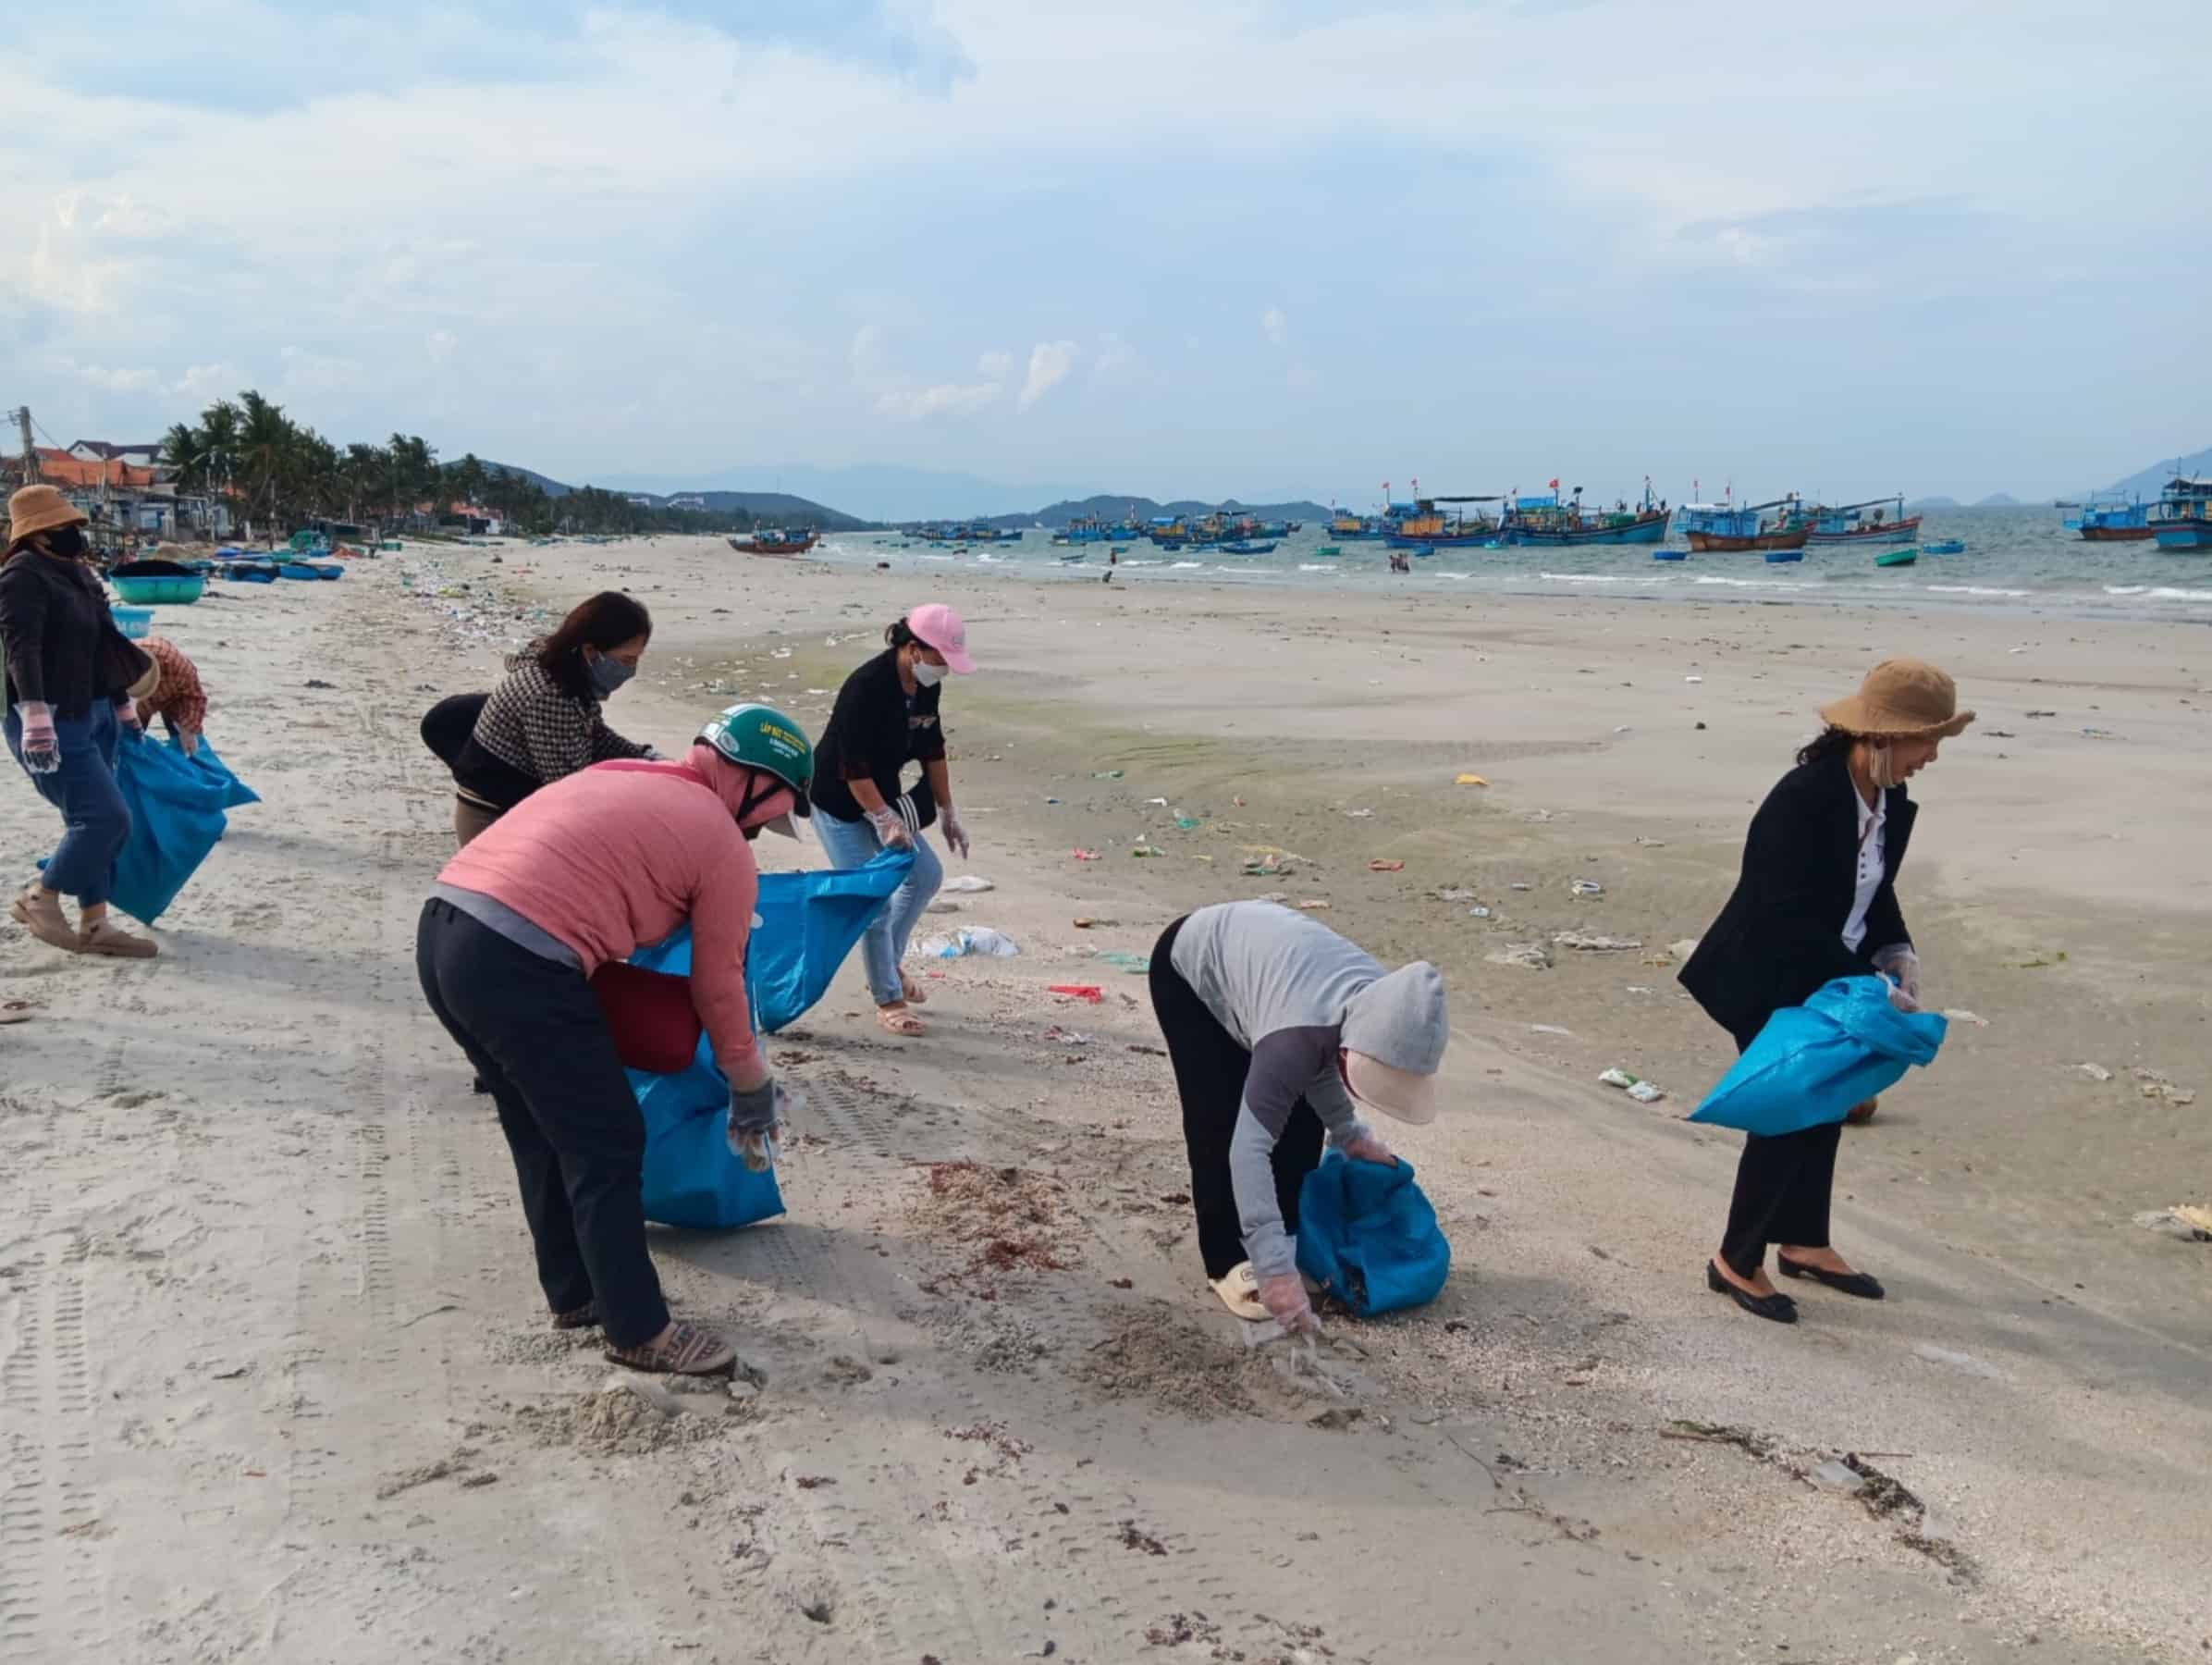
(1082, 855)
(2154, 1086)
(1136, 965)
(1068, 1037)
(2043, 713)
(1381, 866)
(1550, 1028)
(1838, 1476)
(1622, 730)
(1523, 887)
(1533, 956)
(1961, 1015)
(1587, 943)
(1188, 823)
(1536, 814)
(1470, 779)
(2185, 1223)
(1617, 1077)
(1652, 844)
(1640, 989)
(1683, 949)
(1455, 893)
(968, 885)
(1142, 851)
(1090, 992)
(1359, 814)
(1478, 912)
(1636, 1087)
(1693, 679)
(969, 939)
(1585, 887)
(2196, 1215)
(1644, 1093)
(1106, 774)
(1155, 803)
(1268, 867)
(2096, 1072)
(1314, 905)
(2098, 734)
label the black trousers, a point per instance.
(1783, 1185)
(1211, 1066)
(534, 1032)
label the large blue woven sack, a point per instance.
(176, 818)
(1811, 1063)
(236, 794)
(803, 926)
(1368, 1236)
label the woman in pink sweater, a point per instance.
(578, 875)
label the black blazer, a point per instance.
(1781, 935)
(60, 641)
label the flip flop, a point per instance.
(111, 939)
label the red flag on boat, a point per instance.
(1554, 482)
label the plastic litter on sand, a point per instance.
(1090, 992)
(1470, 779)
(1586, 887)
(968, 885)
(969, 939)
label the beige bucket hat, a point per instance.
(1902, 699)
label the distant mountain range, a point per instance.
(1995, 499)
(1108, 507)
(769, 506)
(2152, 480)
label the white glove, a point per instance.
(891, 831)
(956, 838)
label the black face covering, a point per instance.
(67, 541)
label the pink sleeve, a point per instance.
(721, 922)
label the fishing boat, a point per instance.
(1328, 552)
(1071, 559)
(1876, 521)
(1944, 546)
(2112, 522)
(1547, 523)
(1347, 527)
(1784, 557)
(1423, 526)
(1241, 545)
(778, 540)
(2183, 518)
(1670, 554)
(1897, 558)
(1733, 529)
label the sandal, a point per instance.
(687, 1351)
(584, 1317)
(916, 994)
(16, 1011)
(38, 910)
(898, 1020)
(1239, 1291)
(111, 939)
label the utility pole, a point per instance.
(31, 453)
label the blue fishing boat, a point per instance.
(1425, 527)
(2183, 518)
(1670, 554)
(1245, 547)
(296, 569)
(2113, 521)
(1346, 527)
(1733, 529)
(1545, 522)
(1876, 521)
(1944, 546)
(1784, 557)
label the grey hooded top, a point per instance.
(1292, 991)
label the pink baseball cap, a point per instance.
(938, 626)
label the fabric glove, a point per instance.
(42, 746)
(126, 714)
(956, 838)
(1284, 1297)
(755, 1117)
(891, 832)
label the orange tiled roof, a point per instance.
(61, 469)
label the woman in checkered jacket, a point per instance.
(543, 722)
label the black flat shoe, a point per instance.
(1850, 1283)
(1780, 1307)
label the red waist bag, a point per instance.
(655, 1028)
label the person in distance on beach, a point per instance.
(580, 876)
(71, 680)
(1280, 1030)
(886, 716)
(1817, 900)
(543, 722)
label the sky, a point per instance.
(1266, 250)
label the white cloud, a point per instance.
(1049, 363)
(947, 399)
(1114, 361)
(1275, 325)
(996, 365)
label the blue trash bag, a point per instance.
(1368, 1236)
(1811, 1063)
(176, 819)
(805, 925)
(236, 794)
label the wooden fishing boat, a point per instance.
(1945, 546)
(1876, 521)
(778, 540)
(1545, 522)
(1424, 527)
(2112, 522)
(1730, 529)
(2183, 517)
(1897, 558)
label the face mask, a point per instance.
(929, 675)
(67, 541)
(610, 674)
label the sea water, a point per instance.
(2015, 560)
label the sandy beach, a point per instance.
(275, 1376)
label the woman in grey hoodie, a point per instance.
(1280, 1030)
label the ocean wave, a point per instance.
(2164, 592)
(2127, 590)
(1186, 566)
(1590, 577)
(1317, 566)
(1751, 583)
(1973, 589)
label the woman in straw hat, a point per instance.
(1817, 900)
(72, 679)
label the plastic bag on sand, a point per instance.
(1811, 1063)
(176, 819)
(1368, 1236)
(969, 939)
(968, 885)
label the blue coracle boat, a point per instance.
(1944, 546)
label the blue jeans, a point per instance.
(95, 820)
(854, 844)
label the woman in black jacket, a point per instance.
(71, 677)
(1817, 900)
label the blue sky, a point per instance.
(1280, 247)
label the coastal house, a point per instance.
(102, 451)
(114, 494)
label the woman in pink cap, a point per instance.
(885, 718)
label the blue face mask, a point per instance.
(610, 674)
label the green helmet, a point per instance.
(759, 736)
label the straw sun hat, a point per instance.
(37, 509)
(1903, 699)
